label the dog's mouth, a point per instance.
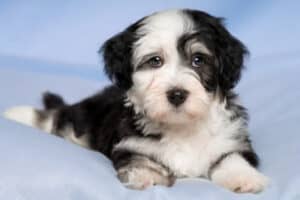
(174, 116)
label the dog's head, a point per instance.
(173, 63)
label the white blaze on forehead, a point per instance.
(160, 33)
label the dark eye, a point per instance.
(198, 60)
(155, 62)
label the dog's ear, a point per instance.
(117, 56)
(230, 54)
(229, 51)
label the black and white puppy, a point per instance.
(170, 112)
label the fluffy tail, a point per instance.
(42, 119)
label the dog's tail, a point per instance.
(42, 119)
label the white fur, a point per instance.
(148, 93)
(47, 124)
(195, 47)
(142, 178)
(160, 31)
(28, 116)
(189, 150)
(234, 173)
(22, 114)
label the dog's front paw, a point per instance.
(142, 177)
(241, 181)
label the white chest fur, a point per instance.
(189, 151)
(192, 155)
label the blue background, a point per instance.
(52, 36)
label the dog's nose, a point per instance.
(177, 96)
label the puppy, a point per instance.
(170, 112)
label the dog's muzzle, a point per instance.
(177, 96)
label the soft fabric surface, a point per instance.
(36, 165)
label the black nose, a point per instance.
(177, 96)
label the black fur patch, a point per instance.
(117, 56)
(52, 101)
(208, 72)
(229, 51)
(238, 111)
(103, 116)
(250, 156)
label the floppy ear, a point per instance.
(117, 55)
(230, 52)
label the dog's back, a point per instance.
(79, 123)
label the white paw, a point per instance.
(140, 178)
(242, 181)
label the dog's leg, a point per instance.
(140, 172)
(31, 117)
(236, 174)
(57, 118)
(42, 119)
(51, 121)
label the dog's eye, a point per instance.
(155, 62)
(198, 60)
